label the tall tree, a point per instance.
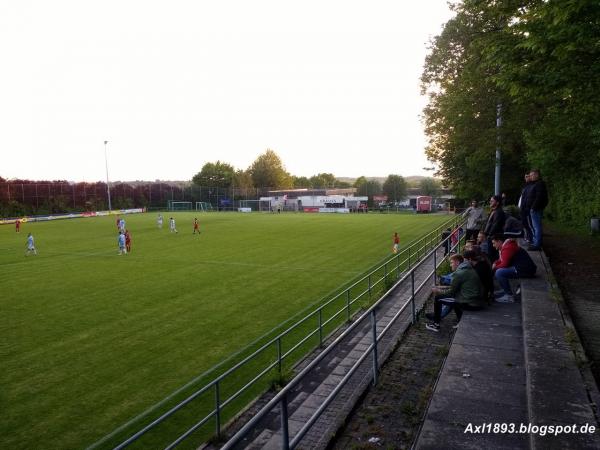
(218, 174)
(300, 182)
(460, 118)
(395, 188)
(268, 171)
(430, 186)
(323, 180)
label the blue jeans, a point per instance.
(536, 225)
(503, 275)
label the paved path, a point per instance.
(514, 364)
(310, 392)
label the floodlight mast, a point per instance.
(107, 183)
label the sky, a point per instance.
(329, 85)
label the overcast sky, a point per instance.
(330, 85)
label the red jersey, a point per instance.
(18, 225)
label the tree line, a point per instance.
(533, 64)
(268, 170)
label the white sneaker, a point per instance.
(506, 299)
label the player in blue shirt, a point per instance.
(30, 245)
(121, 241)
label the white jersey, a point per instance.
(30, 244)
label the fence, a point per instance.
(29, 198)
(223, 396)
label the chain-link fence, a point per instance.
(30, 198)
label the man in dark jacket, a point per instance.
(538, 200)
(525, 208)
(494, 225)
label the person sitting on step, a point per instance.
(514, 262)
(465, 292)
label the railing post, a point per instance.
(412, 297)
(279, 355)
(320, 327)
(374, 333)
(369, 286)
(348, 303)
(285, 434)
(217, 411)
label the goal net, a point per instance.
(203, 206)
(173, 205)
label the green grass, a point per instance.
(90, 339)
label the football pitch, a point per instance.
(90, 338)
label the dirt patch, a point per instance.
(391, 412)
(575, 262)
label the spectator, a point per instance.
(464, 293)
(524, 207)
(538, 200)
(474, 216)
(446, 239)
(482, 266)
(494, 225)
(514, 262)
(513, 228)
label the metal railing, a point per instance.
(318, 324)
(281, 399)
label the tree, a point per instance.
(242, 183)
(460, 118)
(216, 174)
(300, 182)
(323, 180)
(395, 188)
(367, 188)
(268, 171)
(430, 186)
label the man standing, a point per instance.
(495, 224)
(524, 206)
(538, 200)
(18, 226)
(121, 242)
(172, 225)
(127, 241)
(196, 226)
(474, 216)
(159, 221)
(396, 243)
(30, 245)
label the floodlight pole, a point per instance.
(107, 183)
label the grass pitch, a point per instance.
(90, 338)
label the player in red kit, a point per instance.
(196, 226)
(18, 226)
(127, 241)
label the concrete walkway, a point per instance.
(309, 393)
(510, 367)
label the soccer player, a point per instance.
(172, 225)
(396, 243)
(30, 245)
(118, 223)
(127, 241)
(159, 221)
(196, 226)
(18, 226)
(122, 225)
(121, 242)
